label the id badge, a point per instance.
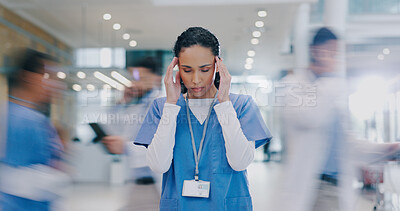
(193, 188)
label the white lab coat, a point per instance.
(307, 129)
(129, 119)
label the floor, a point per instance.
(102, 197)
(263, 178)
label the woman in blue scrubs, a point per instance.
(201, 137)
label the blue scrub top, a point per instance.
(31, 139)
(229, 188)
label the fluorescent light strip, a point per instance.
(121, 78)
(108, 80)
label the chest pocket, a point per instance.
(168, 205)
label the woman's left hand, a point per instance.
(225, 81)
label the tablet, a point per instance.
(100, 134)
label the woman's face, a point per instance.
(196, 68)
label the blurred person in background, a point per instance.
(30, 177)
(321, 157)
(131, 109)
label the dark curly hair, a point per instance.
(197, 36)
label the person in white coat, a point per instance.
(321, 158)
(129, 115)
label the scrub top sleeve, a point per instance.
(252, 123)
(149, 126)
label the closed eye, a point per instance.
(205, 70)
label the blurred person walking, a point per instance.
(321, 157)
(131, 110)
(30, 176)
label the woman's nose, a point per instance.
(196, 78)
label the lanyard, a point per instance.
(197, 154)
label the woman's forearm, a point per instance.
(160, 152)
(239, 151)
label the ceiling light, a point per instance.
(256, 34)
(106, 86)
(91, 87)
(107, 16)
(262, 13)
(108, 80)
(249, 60)
(76, 87)
(259, 24)
(61, 75)
(381, 57)
(126, 36)
(251, 53)
(132, 43)
(248, 66)
(386, 51)
(117, 26)
(254, 41)
(46, 76)
(121, 78)
(81, 75)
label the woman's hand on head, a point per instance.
(172, 88)
(225, 81)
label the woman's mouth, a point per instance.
(198, 89)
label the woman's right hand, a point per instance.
(173, 89)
